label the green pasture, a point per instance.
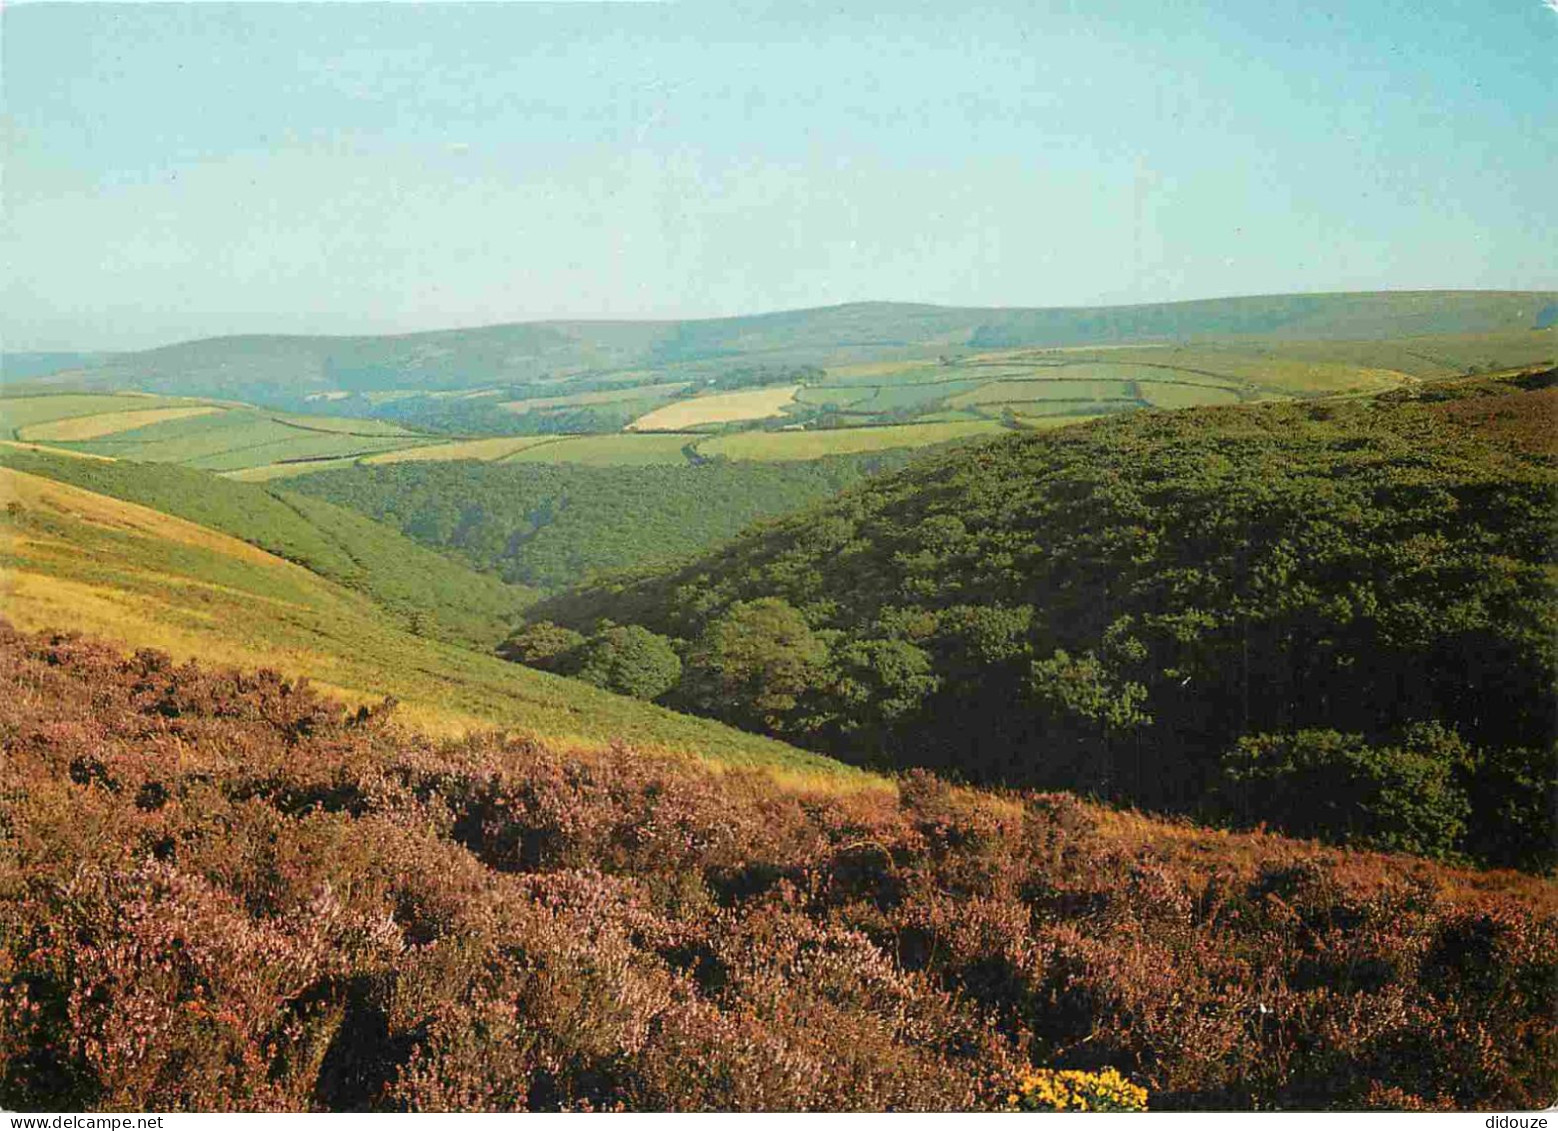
(781, 446)
(245, 437)
(618, 449)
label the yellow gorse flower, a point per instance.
(1051, 1090)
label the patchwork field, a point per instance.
(1083, 382)
(717, 408)
(218, 437)
(107, 423)
(1031, 387)
(78, 561)
(1159, 394)
(21, 412)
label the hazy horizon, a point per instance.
(586, 320)
(188, 171)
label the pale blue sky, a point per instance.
(175, 171)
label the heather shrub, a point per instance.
(219, 890)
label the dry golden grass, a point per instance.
(114, 514)
(108, 423)
(719, 408)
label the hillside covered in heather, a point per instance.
(1337, 617)
(221, 891)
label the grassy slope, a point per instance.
(80, 561)
(441, 597)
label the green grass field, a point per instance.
(238, 438)
(919, 394)
(781, 446)
(491, 448)
(624, 449)
(76, 560)
(1159, 394)
(1018, 392)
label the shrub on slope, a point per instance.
(219, 891)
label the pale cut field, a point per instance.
(841, 441)
(110, 423)
(491, 448)
(718, 408)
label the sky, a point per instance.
(187, 170)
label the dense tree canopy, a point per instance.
(1201, 610)
(553, 525)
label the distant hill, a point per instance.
(286, 370)
(25, 366)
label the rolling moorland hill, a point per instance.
(378, 374)
(1337, 616)
(220, 891)
(79, 561)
